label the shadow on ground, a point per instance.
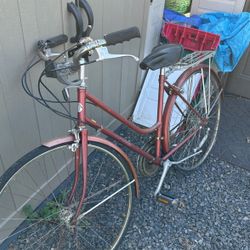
(233, 141)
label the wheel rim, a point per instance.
(44, 217)
(183, 122)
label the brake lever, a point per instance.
(104, 54)
(47, 54)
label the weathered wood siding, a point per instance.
(24, 124)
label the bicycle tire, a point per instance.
(34, 191)
(180, 121)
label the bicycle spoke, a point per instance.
(97, 175)
(204, 99)
(42, 215)
(84, 239)
(48, 233)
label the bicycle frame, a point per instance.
(84, 95)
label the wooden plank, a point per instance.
(2, 169)
(239, 6)
(141, 73)
(25, 123)
(51, 13)
(113, 20)
(133, 17)
(95, 71)
(20, 109)
(7, 143)
(231, 6)
(6, 208)
(195, 7)
(27, 21)
(42, 17)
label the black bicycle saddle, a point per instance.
(162, 56)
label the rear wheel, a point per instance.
(35, 212)
(204, 97)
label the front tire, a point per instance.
(34, 209)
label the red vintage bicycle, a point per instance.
(76, 192)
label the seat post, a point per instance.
(162, 72)
(159, 112)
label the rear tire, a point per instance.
(34, 209)
(182, 120)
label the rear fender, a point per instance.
(71, 138)
(170, 101)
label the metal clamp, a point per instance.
(76, 132)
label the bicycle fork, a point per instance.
(81, 138)
(80, 167)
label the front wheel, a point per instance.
(200, 88)
(35, 212)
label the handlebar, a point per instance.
(84, 44)
(56, 41)
(109, 39)
(122, 36)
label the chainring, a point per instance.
(145, 167)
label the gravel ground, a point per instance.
(215, 211)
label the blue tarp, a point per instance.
(234, 30)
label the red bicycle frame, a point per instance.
(83, 120)
(84, 95)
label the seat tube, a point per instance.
(81, 97)
(159, 112)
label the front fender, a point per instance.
(70, 138)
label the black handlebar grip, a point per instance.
(88, 10)
(122, 36)
(72, 8)
(57, 40)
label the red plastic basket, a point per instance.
(190, 38)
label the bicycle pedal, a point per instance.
(165, 199)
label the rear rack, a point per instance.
(191, 60)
